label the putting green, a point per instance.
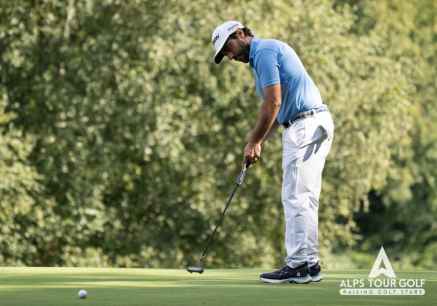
(159, 287)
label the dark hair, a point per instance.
(247, 32)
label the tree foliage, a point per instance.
(136, 136)
(402, 214)
(26, 225)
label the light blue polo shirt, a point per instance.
(275, 62)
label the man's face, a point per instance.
(237, 47)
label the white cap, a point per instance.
(221, 34)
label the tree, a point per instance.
(402, 213)
(25, 214)
(138, 135)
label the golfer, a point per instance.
(291, 100)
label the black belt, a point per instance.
(303, 115)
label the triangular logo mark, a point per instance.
(377, 270)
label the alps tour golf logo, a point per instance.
(382, 281)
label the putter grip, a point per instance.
(242, 175)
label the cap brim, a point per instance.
(218, 57)
(219, 54)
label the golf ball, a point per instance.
(82, 294)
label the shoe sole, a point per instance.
(273, 281)
(316, 278)
(300, 280)
(295, 280)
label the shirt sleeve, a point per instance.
(267, 68)
(259, 92)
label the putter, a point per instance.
(238, 183)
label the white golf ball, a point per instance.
(82, 294)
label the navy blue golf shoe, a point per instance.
(286, 274)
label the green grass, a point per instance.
(158, 287)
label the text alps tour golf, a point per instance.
(382, 283)
(386, 286)
(375, 285)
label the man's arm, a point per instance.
(267, 114)
(266, 118)
(267, 69)
(272, 131)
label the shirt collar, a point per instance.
(253, 45)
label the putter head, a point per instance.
(195, 269)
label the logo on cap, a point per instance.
(215, 39)
(232, 27)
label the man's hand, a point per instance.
(252, 152)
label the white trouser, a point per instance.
(306, 144)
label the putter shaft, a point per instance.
(238, 183)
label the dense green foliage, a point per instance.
(125, 138)
(403, 212)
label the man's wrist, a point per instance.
(254, 143)
(250, 138)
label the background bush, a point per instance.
(121, 139)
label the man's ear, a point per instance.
(240, 33)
